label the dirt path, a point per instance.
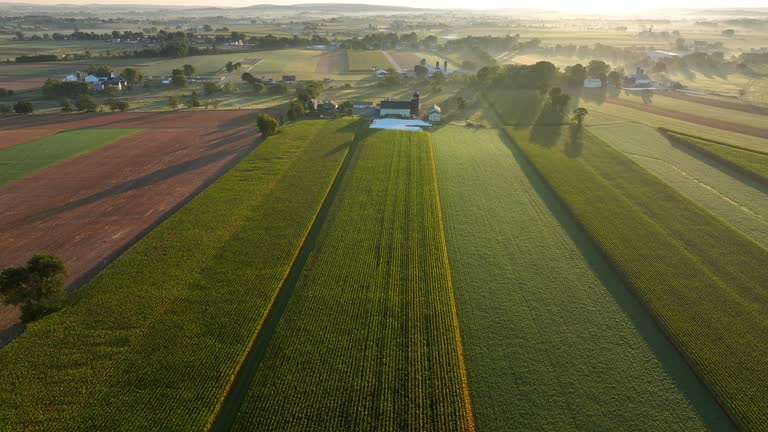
(392, 61)
(692, 118)
(88, 209)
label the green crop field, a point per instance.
(704, 281)
(611, 113)
(154, 341)
(26, 158)
(751, 162)
(368, 339)
(736, 200)
(541, 311)
(366, 60)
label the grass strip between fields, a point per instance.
(26, 158)
(367, 340)
(752, 163)
(704, 281)
(154, 341)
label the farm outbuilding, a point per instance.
(434, 114)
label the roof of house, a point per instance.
(396, 105)
(435, 108)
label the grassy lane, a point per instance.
(736, 199)
(153, 341)
(26, 158)
(753, 163)
(367, 341)
(542, 315)
(703, 280)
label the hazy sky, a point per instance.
(610, 6)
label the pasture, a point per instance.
(25, 158)
(365, 61)
(682, 275)
(541, 311)
(368, 339)
(165, 327)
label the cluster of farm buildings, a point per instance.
(99, 80)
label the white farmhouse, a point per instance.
(434, 113)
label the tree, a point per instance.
(117, 105)
(211, 88)
(23, 107)
(229, 88)
(438, 77)
(558, 99)
(614, 78)
(38, 286)
(345, 108)
(310, 91)
(101, 69)
(575, 75)
(173, 102)
(598, 69)
(132, 76)
(258, 87)
(295, 111)
(229, 66)
(468, 65)
(266, 124)
(66, 105)
(194, 101)
(421, 71)
(278, 89)
(5, 109)
(189, 70)
(248, 78)
(178, 79)
(86, 103)
(579, 114)
(460, 103)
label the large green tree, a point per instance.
(267, 125)
(38, 286)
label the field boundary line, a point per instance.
(214, 424)
(454, 311)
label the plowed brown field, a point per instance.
(88, 209)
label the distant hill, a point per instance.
(330, 7)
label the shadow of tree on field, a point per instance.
(546, 128)
(574, 145)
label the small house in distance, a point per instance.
(593, 83)
(434, 114)
(289, 79)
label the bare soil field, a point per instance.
(332, 63)
(88, 209)
(21, 83)
(692, 118)
(10, 138)
(405, 60)
(732, 105)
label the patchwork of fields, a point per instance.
(163, 329)
(533, 277)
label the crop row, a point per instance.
(704, 281)
(542, 314)
(153, 341)
(751, 163)
(368, 339)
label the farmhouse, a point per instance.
(400, 108)
(593, 83)
(434, 113)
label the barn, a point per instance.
(593, 83)
(390, 108)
